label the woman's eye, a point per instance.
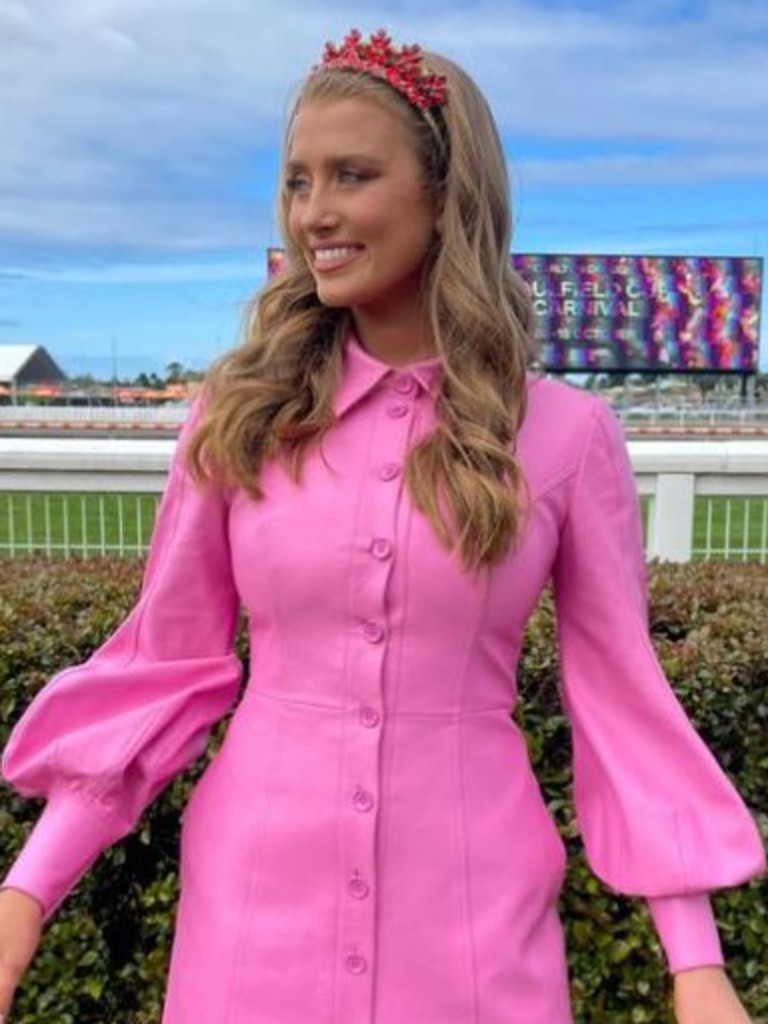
(301, 183)
(352, 177)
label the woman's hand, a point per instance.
(704, 995)
(21, 924)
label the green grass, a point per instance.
(734, 529)
(61, 524)
(737, 528)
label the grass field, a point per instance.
(66, 524)
(732, 528)
(92, 524)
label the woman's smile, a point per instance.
(330, 258)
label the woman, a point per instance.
(375, 477)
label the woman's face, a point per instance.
(358, 206)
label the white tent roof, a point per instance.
(14, 358)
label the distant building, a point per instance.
(24, 365)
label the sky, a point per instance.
(140, 144)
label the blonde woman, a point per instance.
(376, 477)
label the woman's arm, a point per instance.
(102, 739)
(705, 995)
(658, 816)
(21, 923)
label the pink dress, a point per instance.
(370, 846)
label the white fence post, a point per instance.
(670, 534)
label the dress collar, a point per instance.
(362, 372)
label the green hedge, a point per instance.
(104, 955)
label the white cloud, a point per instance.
(638, 169)
(573, 74)
(162, 224)
(154, 273)
(135, 122)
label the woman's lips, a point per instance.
(334, 257)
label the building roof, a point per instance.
(28, 364)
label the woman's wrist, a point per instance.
(692, 975)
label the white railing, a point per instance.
(63, 496)
(76, 524)
(108, 416)
(72, 496)
(737, 418)
(707, 499)
(128, 417)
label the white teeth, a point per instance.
(338, 253)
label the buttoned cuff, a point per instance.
(68, 836)
(687, 930)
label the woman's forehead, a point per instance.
(350, 124)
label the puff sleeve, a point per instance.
(658, 816)
(103, 738)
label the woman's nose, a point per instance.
(318, 211)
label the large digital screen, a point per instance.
(640, 313)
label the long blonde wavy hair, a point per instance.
(271, 397)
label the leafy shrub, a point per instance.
(104, 956)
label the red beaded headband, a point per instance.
(403, 68)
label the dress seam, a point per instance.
(467, 881)
(577, 472)
(238, 952)
(645, 644)
(463, 837)
(453, 715)
(179, 471)
(131, 655)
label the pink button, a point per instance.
(369, 717)
(362, 801)
(373, 632)
(381, 548)
(389, 471)
(357, 888)
(356, 964)
(397, 410)
(404, 385)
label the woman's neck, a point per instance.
(396, 340)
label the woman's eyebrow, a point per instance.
(293, 166)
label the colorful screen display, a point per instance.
(641, 313)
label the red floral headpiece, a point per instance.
(403, 68)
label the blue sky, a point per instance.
(140, 143)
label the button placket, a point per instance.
(389, 471)
(381, 548)
(358, 888)
(369, 717)
(397, 410)
(363, 800)
(373, 631)
(355, 963)
(404, 383)
(377, 524)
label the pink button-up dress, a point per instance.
(369, 845)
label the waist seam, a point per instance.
(254, 694)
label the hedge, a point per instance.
(104, 955)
